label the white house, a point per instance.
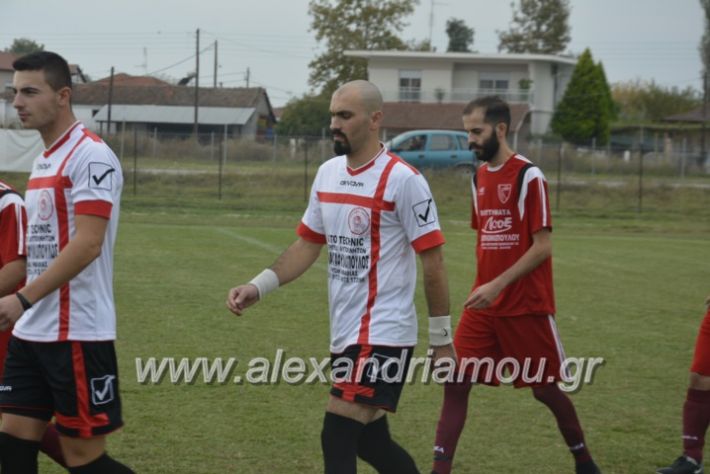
(533, 83)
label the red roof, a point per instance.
(6, 60)
(403, 116)
(123, 79)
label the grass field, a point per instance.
(629, 289)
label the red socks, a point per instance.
(451, 422)
(696, 417)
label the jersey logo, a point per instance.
(504, 191)
(424, 213)
(359, 221)
(497, 226)
(46, 206)
(100, 176)
(102, 390)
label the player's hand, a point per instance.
(10, 311)
(442, 353)
(483, 296)
(241, 297)
(707, 303)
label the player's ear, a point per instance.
(375, 120)
(64, 96)
(501, 130)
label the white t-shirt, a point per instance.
(78, 174)
(373, 220)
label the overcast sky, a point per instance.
(645, 39)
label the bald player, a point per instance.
(375, 213)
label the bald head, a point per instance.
(367, 93)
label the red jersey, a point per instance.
(13, 222)
(510, 204)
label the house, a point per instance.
(532, 83)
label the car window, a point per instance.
(441, 142)
(413, 143)
(463, 142)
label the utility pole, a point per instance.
(197, 81)
(110, 102)
(247, 77)
(214, 82)
(703, 118)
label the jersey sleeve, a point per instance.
(311, 227)
(13, 224)
(474, 202)
(96, 181)
(417, 212)
(537, 202)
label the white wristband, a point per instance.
(265, 282)
(440, 330)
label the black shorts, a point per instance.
(370, 375)
(74, 381)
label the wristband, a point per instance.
(23, 301)
(440, 330)
(265, 282)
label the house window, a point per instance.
(494, 82)
(410, 85)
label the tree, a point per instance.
(418, 45)
(639, 101)
(353, 24)
(538, 26)
(611, 106)
(22, 46)
(584, 112)
(705, 41)
(305, 116)
(460, 36)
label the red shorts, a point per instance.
(523, 350)
(701, 359)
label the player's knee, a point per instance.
(104, 464)
(546, 393)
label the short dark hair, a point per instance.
(496, 110)
(56, 70)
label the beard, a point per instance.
(488, 150)
(341, 147)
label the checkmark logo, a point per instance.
(102, 389)
(100, 176)
(424, 212)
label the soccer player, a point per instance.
(509, 313)
(374, 212)
(13, 262)
(61, 360)
(696, 410)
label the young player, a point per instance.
(61, 360)
(374, 212)
(509, 313)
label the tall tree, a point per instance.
(538, 26)
(705, 41)
(353, 24)
(22, 46)
(460, 36)
(583, 114)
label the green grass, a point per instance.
(629, 289)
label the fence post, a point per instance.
(273, 148)
(155, 142)
(559, 177)
(683, 156)
(594, 154)
(123, 139)
(640, 203)
(135, 157)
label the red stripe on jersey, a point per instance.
(364, 334)
(397, 157)
(306, 233)
(49, 182)
(428, 241)
(84, 421)
(93, 208)
(355, 200)
(61, 141)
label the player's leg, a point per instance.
(19, 443)
(477, 351)
(696, 409)
(535, 344)
(342, 426)
(84, 381)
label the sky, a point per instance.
(635, 39)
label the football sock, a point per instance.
(104, 464)
(18, 456)
(339, 442)
(561, 406)
(451, 422)
(50, 445)
(377, 448)
(696, 417)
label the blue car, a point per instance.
(436, 149)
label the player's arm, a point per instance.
(436, 290)
(81, 250)
(12, 274)
(297, 258)
(541, 249)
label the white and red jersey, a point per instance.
(13, 222)
(373, 220)
(77, 175)
(510, 204)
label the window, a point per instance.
(410, 85)
(463, 142)
(413, 143)
(440, 142)
(493, 81)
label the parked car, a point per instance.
(434, 149)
